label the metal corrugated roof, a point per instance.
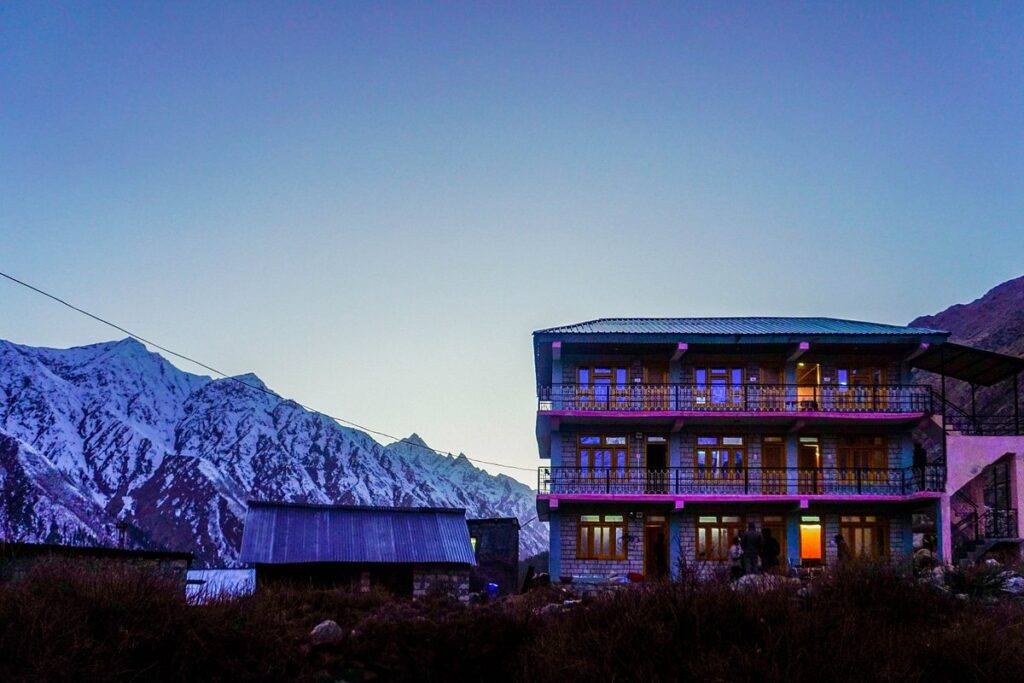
(969, 364)
(754, 325)
(288, 533)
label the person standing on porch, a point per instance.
(735, 559)
(751, 545)
(842, 550)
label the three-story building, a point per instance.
(666, 437)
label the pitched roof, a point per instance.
(751, 325)
(281, 533)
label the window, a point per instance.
(811, 541)
(601, 537)
(862, 458)
(720, 458)
(603, 386)
(715, 534)
(718, 386)
(602, 455)
(865, 535)
(858, 377)
(860, 388)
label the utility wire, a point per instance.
(246, 384)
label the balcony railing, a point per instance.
(745, 481)
(756, 398)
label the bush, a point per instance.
(861, 623)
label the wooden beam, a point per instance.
(800, 350)
(677, 425)
(681, 348)
(797, 426)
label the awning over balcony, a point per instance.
(969, 364)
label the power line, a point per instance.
(246, 384)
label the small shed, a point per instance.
(407, 551)
(18, 559)
(496, 546)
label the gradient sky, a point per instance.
(373, 205)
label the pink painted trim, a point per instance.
(633, 414)
(609, 497)
(803, 500)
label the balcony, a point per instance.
(757, 399)
(740, 482)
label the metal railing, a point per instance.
(999, 523)
(770, 481)
(757, 398)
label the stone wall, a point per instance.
(172, 570)
(497, 554)
(573, 566)
(444, 579)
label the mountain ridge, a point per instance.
(993, 322)
(112, 432)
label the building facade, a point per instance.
(405, 551)
(666, 437)
(18, 560)
(496, 547)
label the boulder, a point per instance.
(325, 632)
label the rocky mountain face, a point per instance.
(108, 435)
(994, 322)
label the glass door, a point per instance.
(808, 377)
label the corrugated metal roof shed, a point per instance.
(754, 325)
(283, 533)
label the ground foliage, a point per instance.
(863, 623)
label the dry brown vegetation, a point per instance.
(868, 623)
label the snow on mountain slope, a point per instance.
(107, 432)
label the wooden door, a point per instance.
(773, 466)
(809, 464)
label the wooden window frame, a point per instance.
(587, 530)
(725, 530)
(591, 470)
(856, 452)
(849, 524)
(716, 472)
(704, 392)
(613, 394)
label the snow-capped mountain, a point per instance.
(108, 433)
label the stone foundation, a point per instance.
(446, 580)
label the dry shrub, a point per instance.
(863, 622)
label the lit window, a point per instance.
(601, 537)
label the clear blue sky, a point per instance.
(372, 205)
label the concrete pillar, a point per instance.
(674, 540)
(792, 449)
(793, 538)
(943, 529)
(554, 546)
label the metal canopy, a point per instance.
(969, 364)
